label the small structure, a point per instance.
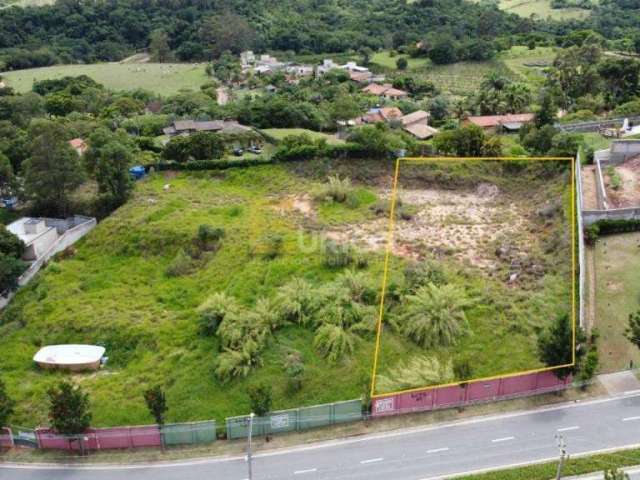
(137, 172)
(187, 127)
(417, 124)
(326, 66)
(35, 234)
(300, 70)
(70, 357)
(79, 145)
(385, 90)
(511, 122)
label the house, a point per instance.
(187, 127)
(385, 90)
(300, 70)
(79, 145)
(247, 58)
(417, 124)
(326, 66)
(511, 122)
(37, 236)
(361, 77)
(354, 67)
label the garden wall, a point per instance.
(434, 398)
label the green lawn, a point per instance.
(596, 141)
(163, 79)
(617, 286)
(464, 78)
(385, 60)
(542, 9)
(281, 133)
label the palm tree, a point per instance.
(494, 81)
(333, 341)
(296, 301)
(517, 97)
(434, 316)
(213, 311)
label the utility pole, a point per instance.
(249, 445)
(562, 446)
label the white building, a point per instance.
(36, 235)
(326, 66)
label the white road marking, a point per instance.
(300, 472)
(568, 429)
(372, 460)
(630, 419)
(631, 392)
(437, 450)
(503, 439)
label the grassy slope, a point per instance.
(385, 60)
(542, 9)
(617, 288)
(114, 291)
(164, 79)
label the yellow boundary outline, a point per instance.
(385, 273)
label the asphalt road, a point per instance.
(418, 454)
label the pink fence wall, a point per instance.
(101, 438)
(6, 438)
(476, 391)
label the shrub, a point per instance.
(294, 368)
(239, 327)
(462, 369)
(337, 255)
(236, 363)
(335, 189)
(419, 274)
(272, 246)
(333, 342)
(208, 237)
(434, 315)
(260, 398)
(68, 409)
(614, 177)
(418, 372)
(297, 301)
(213, 311)
(156, 403)
(181, 264)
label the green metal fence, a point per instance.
(296, 419)
(189, 433)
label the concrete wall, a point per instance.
(592, 216)
(434, 398)
(581, 252)
(595, 125)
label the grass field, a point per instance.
(281, 133)
(617, 295)
(163, 79)
(116, 290)
(385, 60)
(542, 9)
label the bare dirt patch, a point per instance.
(296, 203)
(589, 194)
(479, 227)
(628, 193)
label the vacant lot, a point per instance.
(135, 283)
(617, 281)
(384, 59)
(163, 79)
(622, 183)
(281, 133)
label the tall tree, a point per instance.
(632, 331)
(69, 409)
(53, 170)
(555, 347)
(112, 172)
(227, 31)
(159, 46)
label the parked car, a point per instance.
(256, 150)
(238, 152)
